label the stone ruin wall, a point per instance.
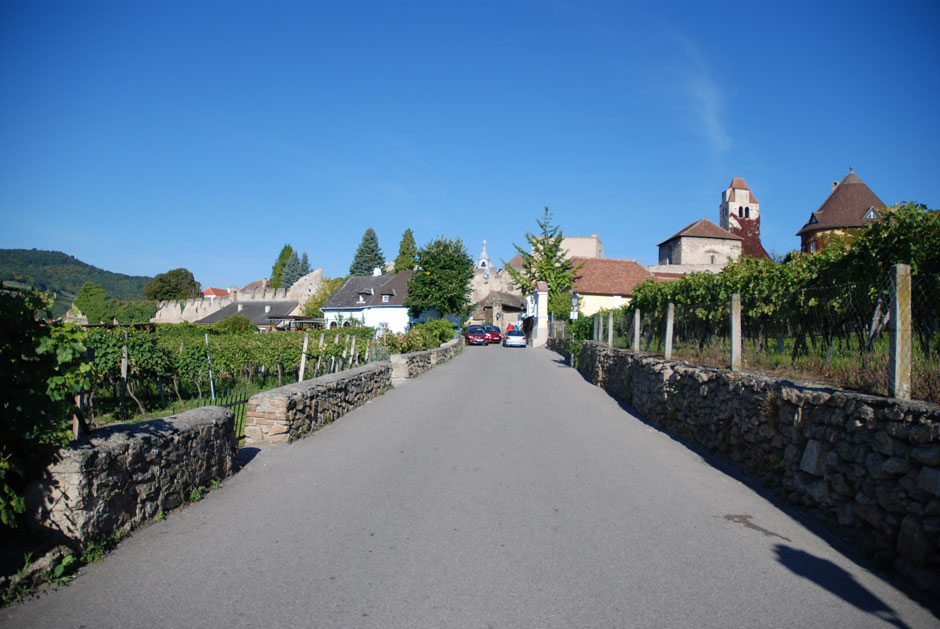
(866, 464)
(191, 310)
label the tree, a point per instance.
(407, 251)
(546, 261)
(292, 271)
(312, 307)
(368, 255)
(441, 280)
(304, 265)
(175, 284)
(93, 303)
(278, 270)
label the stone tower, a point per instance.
(740, 215)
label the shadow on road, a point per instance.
(246, 455)
(831, 577)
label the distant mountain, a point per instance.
(65, 274)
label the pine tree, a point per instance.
(278, 269)
(546, 261)
(368, 255)
(291, 271)
(304, 265)
(407, 252)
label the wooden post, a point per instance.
(670, 315)
(316, 370)
(597, 328)
(636, 330)
(212, 380)
(900, 329)
(353, 357)
(123, 373)
(610, 329)
(303, 358)
(735, 332)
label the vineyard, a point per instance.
(179, 365)
(820, 317)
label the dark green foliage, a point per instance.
(407, 253)
(420, 337)
(292, 271)
(238, 324)
(40, 370)
(304, 264)
(441, 280)
(95, 305)
(174, 284)
(278, 270)
(65, 275)
(368, 255)
(546, 261)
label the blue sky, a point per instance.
(145, 136)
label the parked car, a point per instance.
(514, 338)
(475, 335)
(492, 334)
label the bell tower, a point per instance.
(740, 214)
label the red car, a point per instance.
(492, 334)
(475, 335)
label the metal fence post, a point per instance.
(670, 315)
(735, 332)
(900, 328)
(636, 330)
(610, 329)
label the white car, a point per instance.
(514, 338)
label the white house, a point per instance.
(376, 301)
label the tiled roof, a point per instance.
(254, 310)
(371, 288)
(662, 276)
(608, 276)
(846, 206)
(506, 299)
(253, 286)
(738, 183)
(516, 261)
(218, 292)
(703, 228)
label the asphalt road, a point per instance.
(499, 489)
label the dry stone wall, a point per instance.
(864, 463)
(284, 414)
(416, 363)
(114, 479)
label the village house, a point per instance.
(375, 300)
(606, 283)
(850, 206)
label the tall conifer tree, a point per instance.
(407, 252)
(368, 255)
(278, 269)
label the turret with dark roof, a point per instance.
(850, 205)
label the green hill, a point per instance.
(65, 274)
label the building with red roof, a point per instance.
(850, 206)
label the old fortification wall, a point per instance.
(114, 479)
(862, 462)
(194, 309)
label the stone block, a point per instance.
(814, 458)
(888, 446)
(927, 455)
(929, 480)
(913, 543)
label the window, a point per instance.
(740, 212)
(812, 246)
(747, 212)
(362, 298)
(713, 259)
(385, 299)
(872, 214)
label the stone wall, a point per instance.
(864, 463)
(284, 414)
(114, 479)
(416, 363)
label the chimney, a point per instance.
(376, 272)
(267, 308)
(239, 308)
(835, 184)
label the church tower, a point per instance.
(740, 215)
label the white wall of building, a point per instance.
(393, 318)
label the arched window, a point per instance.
(713, 259)
(740, 212)
(747, 212)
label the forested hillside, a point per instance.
(65, 274)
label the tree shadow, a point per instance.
(246, 455)
(831, 577)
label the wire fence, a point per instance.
(840, 335)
